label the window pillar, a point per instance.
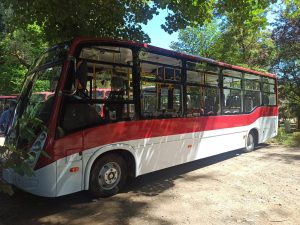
(136, 83)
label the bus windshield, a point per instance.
(37, 95)
(38, 85)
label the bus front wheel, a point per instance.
(108, 175)
(250, 142)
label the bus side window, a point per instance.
(161, 90)
(160, 101)
(211, 101)
(195, 101)
(109, 87)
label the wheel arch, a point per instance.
(126, 151)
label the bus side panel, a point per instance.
(160, 154)
(156, 155)
(268, 127)
(213, 143)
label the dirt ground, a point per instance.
(261, 187)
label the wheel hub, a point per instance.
(109, 175)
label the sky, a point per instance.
(158, 36)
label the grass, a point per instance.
(287, 139)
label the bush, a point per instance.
(288, 139)
(281, 136)
(295, 139)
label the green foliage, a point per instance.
(123, 18)
(215, 40)
(14, 159)
(286, 36)
(64, 20)
(287, 139)
(18, 49)
(281, 136)
(296, 139)
(202, 40)
(17, 158)
(292, 8)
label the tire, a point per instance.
(108, 175)
(250, 142)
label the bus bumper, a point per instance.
(42, 183)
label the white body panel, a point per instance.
(150, 154)
(43, 182)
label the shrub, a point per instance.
(295, 140)
(288, 139)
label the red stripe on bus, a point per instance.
(133, 130)
(126, 131)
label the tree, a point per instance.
(121, 18)
(202, 40)
(18, 49)
(286, 36)
(17, 53)
(219, 41)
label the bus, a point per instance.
(5, 100)
(163, 108)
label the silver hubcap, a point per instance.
(250, 142)
(109, 176)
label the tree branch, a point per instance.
(21, 58)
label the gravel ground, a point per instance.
(261, 187)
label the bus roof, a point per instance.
(81, 40)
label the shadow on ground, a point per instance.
(23, 208)
(157, 182)
(290, 155)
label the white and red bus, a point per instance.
(5, 101)
(162, 109)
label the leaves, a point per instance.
(16, 154)
(17, 158)
(6, 188)
(18, 49)
(286, 36)
(123, 18)
(214, 40)
(201, 40)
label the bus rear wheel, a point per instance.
(250, 142)
(108, 175)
